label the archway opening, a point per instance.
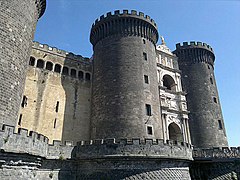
(57, 68)
(175, 132)
(40, 63)
(49, 66)
(169, 83)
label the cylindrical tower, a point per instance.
(196, 61)
(18, 20)
(125, 98)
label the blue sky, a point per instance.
(66, 25)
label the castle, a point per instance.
(135, 110)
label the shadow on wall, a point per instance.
(215, 170)
(76, 82)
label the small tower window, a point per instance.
(80, 75)
(215, 99)
(57, 106)
(144, 41)
(57, 68)
(148, 110)
(55, 123)
(220, 124)
(32, 61)
(211, 80)
(24, 101)
(20, 120)
(149, 130)
(49, 66)
(145, 56)
(146, 79)
(65, 71)
(73, 73)
(88, 77)
(40, 63)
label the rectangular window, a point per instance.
(54, 124)
(148, 110)
(24, 101)
(20, 120)
(146, 79)
(149, 130)
(57, 106)
(215, 99)
(211, 80)
(144, 41)
(220, 124)
(145, 56)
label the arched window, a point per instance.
(32, 61)
(169, 83)
(57, 68)
(65, 71)
(88, 77)
(80, 75)
(49, 66)
(40, 63)
(73, 73)
(175, 132)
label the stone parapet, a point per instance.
(59, 52)
(224, 153)
(127, 23)
(144, 148)
(194, 44)
(41, 7)
(57, 150)
(195, 52)
(23, 142)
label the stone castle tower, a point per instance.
(125, 107)
(125, 89)
(196, 61)
(18, 23)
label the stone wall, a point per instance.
(216, 163)
(18, 20)
(57, 102)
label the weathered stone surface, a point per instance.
(119, 93)
(196, 61)
(17, 25)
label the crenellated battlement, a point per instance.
(59, 150)
(41, 7)
(194, 44)
(217, 153)
(23, 141)
(195, 52)
(54, 50)
(125, 23)
(135, 141)
(125, 13)
(152, 148)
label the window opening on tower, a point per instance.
(149, 130)
(145, 56)
(148, 110)
(220, 124)
(146, 79)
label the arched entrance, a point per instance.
(175, 132)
